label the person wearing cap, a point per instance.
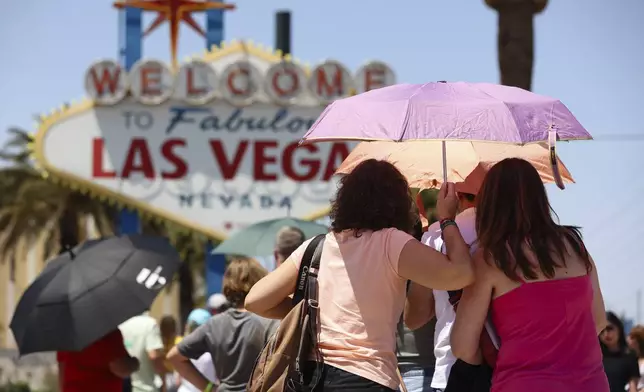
(289, 238)
(217, 303)
(423, 303)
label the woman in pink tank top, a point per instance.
(539, 284)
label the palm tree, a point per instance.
(516, 39)
(34, 208)
(53, 216)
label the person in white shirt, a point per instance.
(423, 303)
(142, 339)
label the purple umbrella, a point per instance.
(449, 112)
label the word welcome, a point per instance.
(151, 82)
(263, 153)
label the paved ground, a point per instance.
(39, 370)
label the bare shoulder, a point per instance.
(484, 268)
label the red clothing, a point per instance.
(88, 370)
(548, 339)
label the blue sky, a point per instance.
(588, 53)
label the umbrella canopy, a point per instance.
(87, 292)
(259, 239)
(422, 163)
(447, 111)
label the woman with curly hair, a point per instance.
(366, 261)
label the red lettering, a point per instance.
(231, 85)
(374, 78)
(138, 159)
(98, 169)
(294, 85)
(150, 81)
(109, 81)
(336, 86)
(264, 156)
(288, 164)
(261, 160)
(228, 169)
(180, 166)
(339, 152)
(192, 90)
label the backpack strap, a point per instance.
(306, 264)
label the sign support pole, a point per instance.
(215, 263)
(130, 50)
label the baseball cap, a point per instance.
(288, 239)
(217, 301)
(472, 183)
(198, 316)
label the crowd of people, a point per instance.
(495, 292)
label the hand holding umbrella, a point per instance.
(447, 202)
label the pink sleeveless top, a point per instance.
(548, 338)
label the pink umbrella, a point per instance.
(449, 111)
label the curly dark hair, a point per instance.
(374, 196)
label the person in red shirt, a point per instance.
(101, 367)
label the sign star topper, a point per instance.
(174, 12)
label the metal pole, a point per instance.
(215, 263)
(283, 32)
(638, 310)
(130, 45)
(214, 27)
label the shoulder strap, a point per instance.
(307, 262)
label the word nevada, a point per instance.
(241, 83)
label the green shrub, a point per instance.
(15, 387)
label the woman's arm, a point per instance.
(187, 370)
(430, 268)
(270, 296)
(419, 306)
(192, 346)
(599, 310)
(471, 313)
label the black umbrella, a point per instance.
(86, 293)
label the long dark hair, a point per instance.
(621, 341)
(374, 196)
(513, 212)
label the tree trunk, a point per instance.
(186, 290)
(68, 227)
(516, 44)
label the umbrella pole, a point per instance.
(552, 146)
(444, 146)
